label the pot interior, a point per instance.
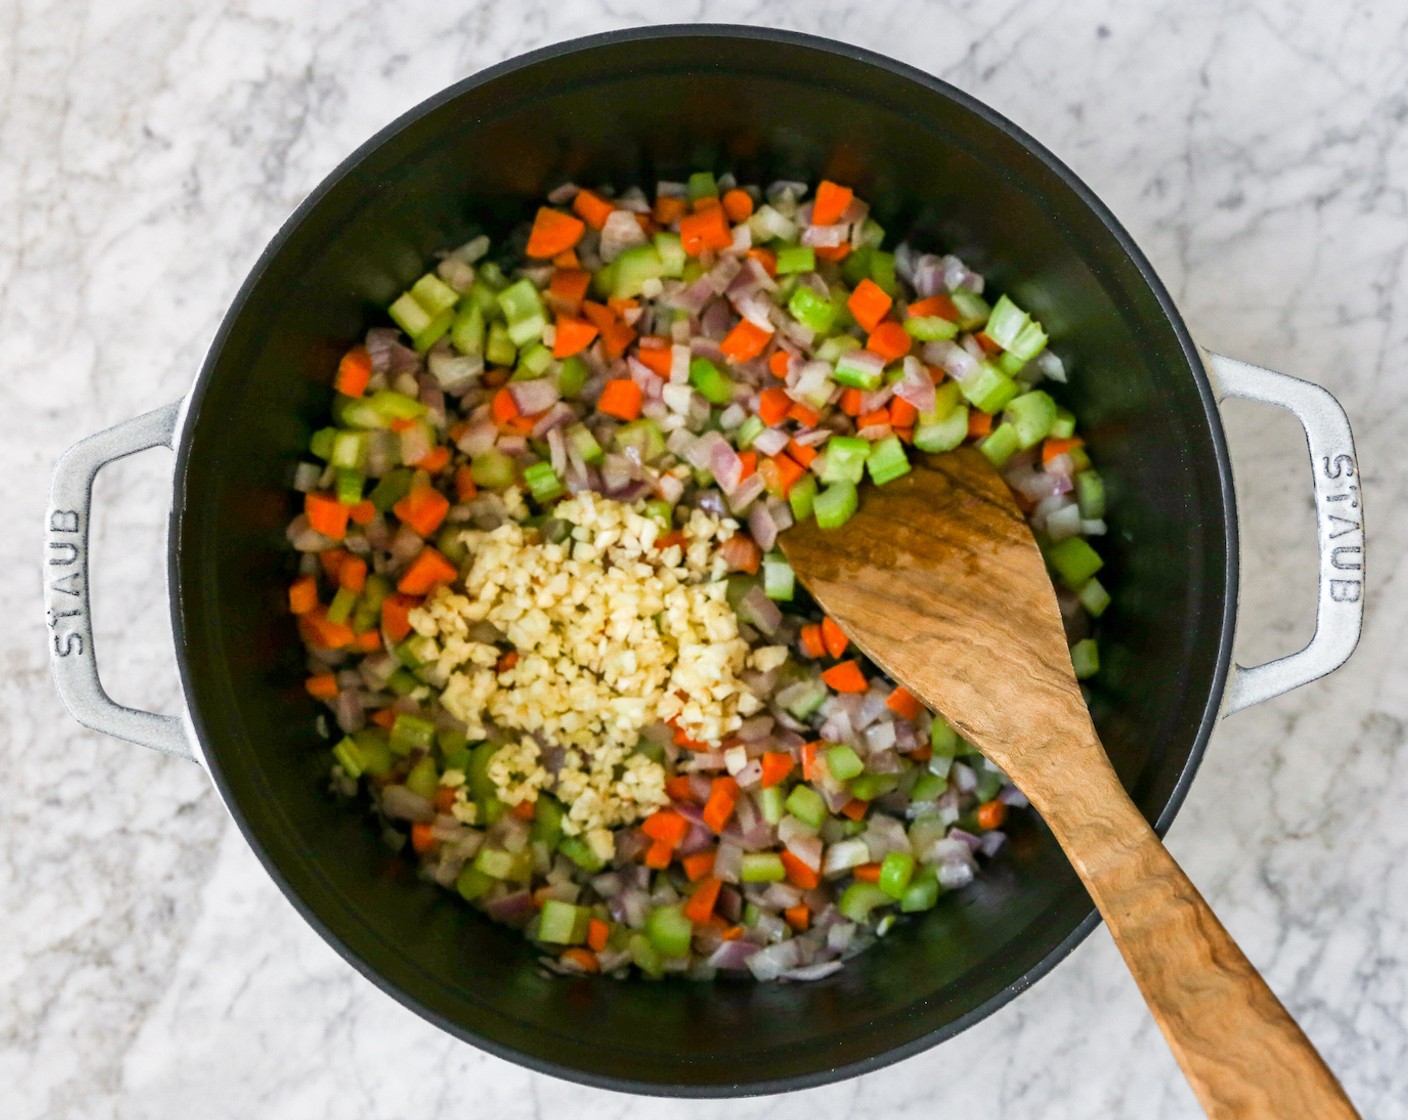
(630, 109)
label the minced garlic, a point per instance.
(613, 635)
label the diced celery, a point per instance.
(762, 867)
(409, 315)
(661, 512)
(547, 820)
(391, 488)
(882, 272)
(747, 432)
(843, 763)
(424, 778)
(467, 331)
(349, 450)
(473, 883)
(806, 704)
(779, 583)
(927, 787)
(795, 258)
(402, 683)
(856, 266)
(867, 787)
(372, 750)
(845, 459)
(1030, 342)
(835, 505)
(930, 328)
(702, 185)
(1005, 322)
(801, 497)
(348, 485)
(633, 268)
(1000, 444)
(493, 276)
(859, 899)
(581, 853)
(834, 347)
(1074, 561)
(856, 372)
(771, 803)
(321, 444)
(434, 331)
(641, 436)
(1090, 494)
(813, 311)
(340, 609)
(1085, 657)
(527, 331)
(410, 732)
(921, 894)
(896, 870)
(989, 782)
(480, 784)
(533, 362)
(561, 923)
(1064, 426)
(990, 389)
(395, 406)
(500, 864)
(499, 350)
(943, 739)
(872, 233)
(1009, 363)
(543, 483)
(672, 255)
(1032, 415)
(710, 382)
(520, 300)
(571, 376)
(887, 460)
(1094, 598)
(433, 294)
(492, 469)
(453, 747)
(972, 309)
(670, 932)
(807, 806)
(349, 757)
(644, 956)
(942, 435)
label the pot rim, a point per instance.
(900, 70)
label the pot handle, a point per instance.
(1339, 516)
(66, 526)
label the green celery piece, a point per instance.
(633, 268)
(411, 732)
(368, 612)
(772, 804)
(349, 450)
(402, 683)
(855, 375)
(321, 443)
(375, 755)
(882, 272)
(859, 899)
(1085, 657)
(467, 331)
(500, 864)
(867, 787)
(520, 300)
(921, 894)
(473, 883)
(391, 488)
(779, 582)
(1064, 426)
(943, 739)
(702, 185)
(835, 505)
(835, 347)
(1032, 415)
(872, 233)
(813, 311)
(1005, 322)
(807, 806)
(581, 438)
(349, 485)
(972, 309)
(644, 436)
(1009, 363)
(843, 763)
(1074, 561)
(988, 786)
(499, 350)
(571, 376)
(349, 757)
(434, 331)
(711, 384)
(896, 870)
(340, 609)
(747, 432)
(845, 459)
(452, 745)
(930, 328)
(1000, 444)
(1094, 598)
(670, 932)
(1030, 342)
(581, 853)
(802, 496)
(396, 406)
(1090, 494)
(661, 512)
(547, 820)
(795, 258)
(927, 787)
(527, 331)
(409, 315)
(887, 460)
(644, 956)
(533, 362)
(672, 255)
(492, 469)
(561, 923)
(942, 435)
(990, 389)
(856, 266)
(543, 483)
(424, 778)
(434, 294)
(762, 867)
(493, 276)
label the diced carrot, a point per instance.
(778, 363)
(572, 337)
(979, 423)
(745, 342)
(494, 378)
(465, 486)
(525, 810)
(435, 460)
(833, 252)
(567, 289)
(1053, 448)
(867, 872)
(741, 553)
(353, 372)
(670, 539)
(322, 686)
(851, 401)
(320, 631)
(592, 208)
(658, 855)
(566, 259)
(670, 209)
(782, 472)
(616, 336)
(363, 513)
(855, 809)
(773, 404)
(991, 814)
(383, 717)
(619, 307)
(444, 799)
(921, 753)
(302, 595)
(708, 202)
(698, 865)
(872, 419)
(655, 355)
(738, 205)
(402, 425)
(326, 514)
(369, 641)
(553, 232)
(890, 340)
(765, 257)
(806, 417)
(621, 398)
(646, 223)
(597, 933)
(352, 574)
(812, 644)
(428, 569)
(666, 826)
(869, 304)
(749, 459)
(831, 202)
(845, 677)
(776, 766)
(705, 229)
(834, 637)
(990, 347)
(935, 307)
(583, 959)
(902, 413)
(798, 873)
(503, 408)
(682, 738)
(678, 788)
(809, 752)
(804, 453)
(799, 917)
(422, 839)
(903, 703)
(423, 509)
(507, 661)
(700, 906)
(723, 796)
(733, 933)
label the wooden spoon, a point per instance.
(939, 581)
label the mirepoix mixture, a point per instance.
(542, 599)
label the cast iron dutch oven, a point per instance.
(632, 107)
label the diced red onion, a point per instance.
(403, 804)
(770, 441)
(818, 971)
(762, 527)
(825, 237)
(478, 438)
(512, 909)
(307, 475)
(621, 232)
(992, 842)
(535, 395)
(772, 962)
(915, 386)
(733, 956)
(415, 443)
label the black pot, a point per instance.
(632, 107)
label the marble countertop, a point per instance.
(1257, 150)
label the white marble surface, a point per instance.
(1257, 150)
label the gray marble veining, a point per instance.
(1257, 150)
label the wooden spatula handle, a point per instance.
(1241, 1051)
